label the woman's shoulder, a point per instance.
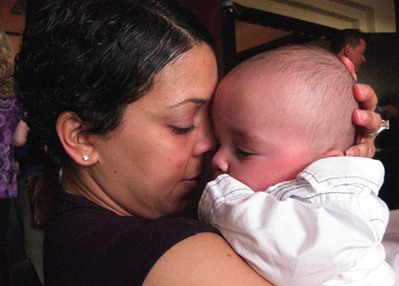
(79, 230)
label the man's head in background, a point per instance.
(350, 43)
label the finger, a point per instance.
(361, 150)
(363, 139)
(348, 63)
(365, 95)
(369, 122)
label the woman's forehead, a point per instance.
(193, 74)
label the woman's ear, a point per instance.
(76, 141)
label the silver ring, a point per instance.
(384, 126)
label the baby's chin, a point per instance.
(260, 187)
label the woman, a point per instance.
(13, 132)
(119, 91)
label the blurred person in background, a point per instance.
(13, 132)
(351, 44)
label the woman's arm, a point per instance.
(204, 259)
(21, 134)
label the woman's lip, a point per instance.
(191, 183)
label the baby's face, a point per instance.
(256, 145)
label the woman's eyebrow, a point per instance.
(191, 100)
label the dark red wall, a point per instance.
(210, 13)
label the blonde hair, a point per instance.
(6, 66)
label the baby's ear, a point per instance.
(332, 153)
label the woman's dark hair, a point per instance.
(94, 57)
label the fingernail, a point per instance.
(363, 89)
(362, 114)
(349, 152)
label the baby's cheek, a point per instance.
(258, 180)
(244, 177)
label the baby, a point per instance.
(290, 203)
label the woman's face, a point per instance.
(151, 164)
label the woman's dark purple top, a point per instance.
(10, 115)
(86, 244)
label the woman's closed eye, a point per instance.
(183, 130)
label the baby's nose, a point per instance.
(219, 163)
